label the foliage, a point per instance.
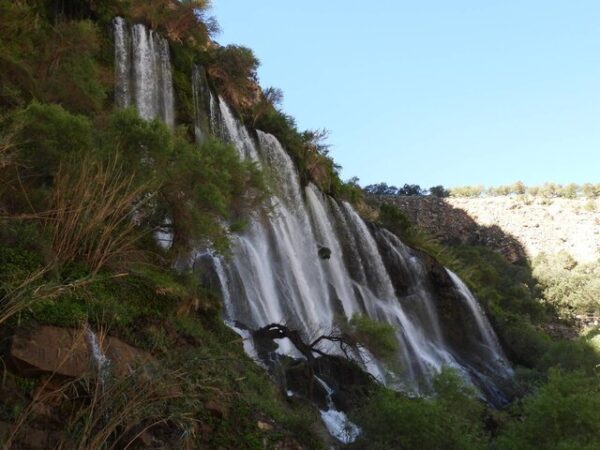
(406, 190)
(91, 214)
(51, 62)
(45, 135)
(466, 191)
(233, 69)
(450, 420)
(572, 288)
(563, 414)
(547, 190)
(439, 191)
(378, 337)
(215, 368)
(196, 188)
(180, 21)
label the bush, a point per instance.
(195, 190)
(378, 337)
(562, 415)
(47, 134)
(467, 191)
(439, 191)
(233, 69)
(571, 288)
(450, 420)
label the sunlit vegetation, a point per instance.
(547, 190)
(572, 288)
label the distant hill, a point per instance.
(538, 225)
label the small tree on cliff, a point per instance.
(439, 191)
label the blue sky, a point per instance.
(436, 92)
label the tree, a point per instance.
(439, 191)
(233, 69)
(410, 190)
(270, 98)
(381, 189)
(308, 349)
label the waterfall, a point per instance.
(100, 359)
(143, 72)
(122, 63)
(488, 336)
(275, 275)
(336, 421)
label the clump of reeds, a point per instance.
(92, 213)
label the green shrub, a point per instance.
(563, 414)
(571, 356)
(378, 337)
(571, 288)
(450, 420)
(48, 134)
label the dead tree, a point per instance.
(277, 331)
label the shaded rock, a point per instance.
(66, 352)
(50, 350)
(324, 252)
(26, 437)
(351, 385)
(217, 409)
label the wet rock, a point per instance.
(324, 252)
(351, 385)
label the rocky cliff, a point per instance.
(514, 226)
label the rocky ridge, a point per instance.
(513, 225)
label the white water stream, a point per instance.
(275, 274)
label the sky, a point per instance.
(432, 92)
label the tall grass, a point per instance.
(104, 412)
(92, 213)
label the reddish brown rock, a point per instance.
(25, 436)
(51, 350)
(66, 352)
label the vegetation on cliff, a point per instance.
(557, 379)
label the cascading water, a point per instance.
(100, 359)
(488, 337)
(275, 275)
(337, 422)
(143, 71)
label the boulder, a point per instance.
(26, 437)
(67, 352)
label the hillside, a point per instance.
(505, 223)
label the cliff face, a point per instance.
(515, 227)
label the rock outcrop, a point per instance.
(517, 227)
(66, 352)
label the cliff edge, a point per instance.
(510, 224)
